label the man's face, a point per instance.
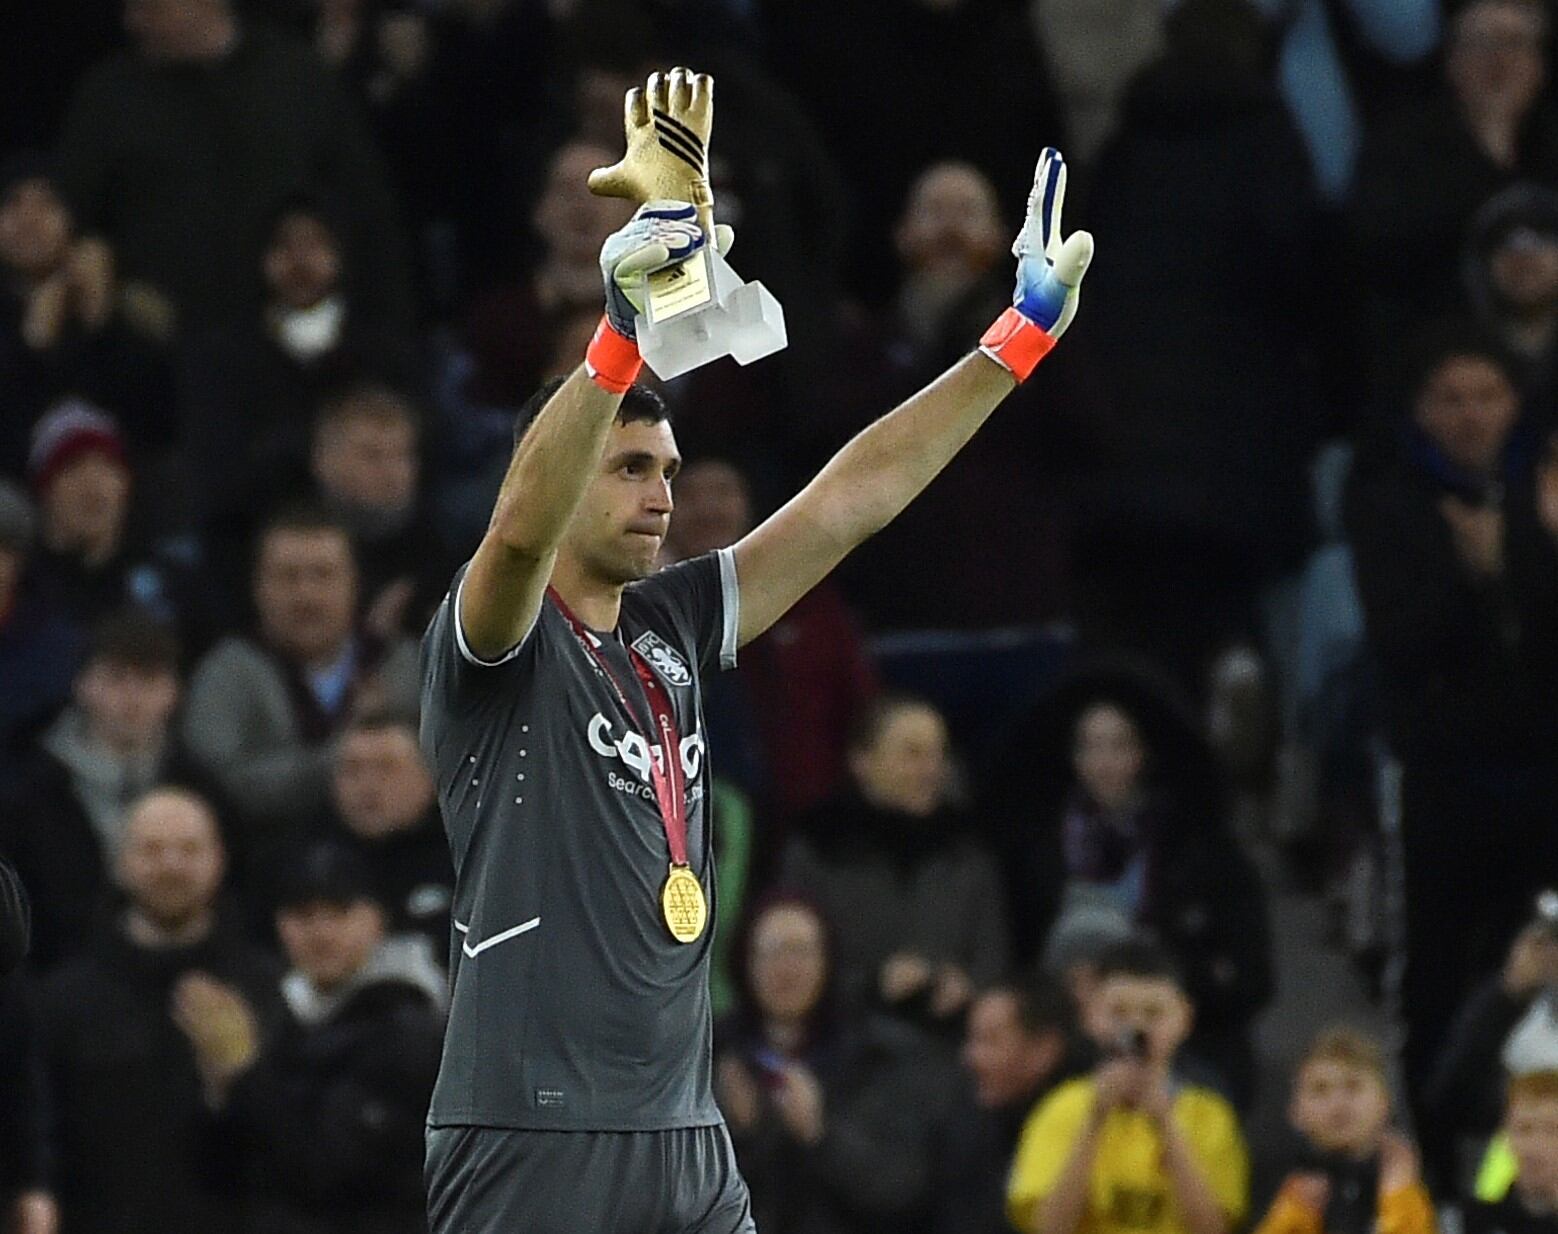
(1495, 58)
(305, 589)
(1006, 1061)
(619, 526)
(1128, 1004)
(380, 782)
(171, 862)
(572, 221)
(906, 767)
(329, 943)
(788, 962)
(951, 222)
(1108, 756)
(1469, 408)
(1525, 271)
(128, 707)
(303, 263)
(1532, 1126)
(86, 501)
(368, 462)
(1340, 1106)
(34, 229)
(713, 508)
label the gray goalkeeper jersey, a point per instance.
(573, 1008)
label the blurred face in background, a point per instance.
(1340, 1106)
(1006, 1060)
(305, 589)
(952, 223)
(1108, 756)
(365, 454)
(128, 706)
(713, 508)
(380, 784)
(171, 861)
(1469, 408)
(907, 764)
(303, 263)
(787, 962)
(1524, 268)
(1495, 58)
(329, 943)
(34, 229)
(85, 505)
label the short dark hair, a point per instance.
(868, 722)
(370, 399)
(1138, 957)
(639, 404)
(304, 516)
(136, 639)
(1043, 1004)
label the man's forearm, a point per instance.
(552, 467)
(1193, 1194)
(884, 467)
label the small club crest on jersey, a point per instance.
(663, 658)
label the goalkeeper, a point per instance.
(561, 710)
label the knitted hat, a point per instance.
(66, 432)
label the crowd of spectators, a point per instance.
(275, 277)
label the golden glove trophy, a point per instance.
(698, 309)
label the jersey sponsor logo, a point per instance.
(663, 658)
(634, 750)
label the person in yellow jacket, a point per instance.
(1359, 1176)
(1129, 1149)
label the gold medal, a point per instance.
(681, 900)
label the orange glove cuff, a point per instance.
(1016, 344)
(612, 361)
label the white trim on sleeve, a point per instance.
(502, 936)
(459, 636)
(730, 592)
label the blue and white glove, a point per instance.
(660, 234)
(1049, 273)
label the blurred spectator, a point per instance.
(1205, 502)
(1128, 830)
(251, 386)
(1531, 1130)
(65, 327)
(921, 920)
(323, 1124)
(176, 150)
(1511, 273)
(263, 709)
(93, 552)
(26, 1205)
(129, 1114)
(1354, 1175)
(64, 824)
(831, 1119)
(1507, 1026)
(1017, 1048)
(40, 644)
(1130, 1147)
(385, 812)
(1457, 565)
(1425, 171)
(797, 688)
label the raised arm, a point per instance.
(867, 483)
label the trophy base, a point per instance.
(742, 320)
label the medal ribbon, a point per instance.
(665, 774)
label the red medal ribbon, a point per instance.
(665, 774)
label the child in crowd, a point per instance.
(1357, 1176)
(1131, 1148)
(1530, 1134)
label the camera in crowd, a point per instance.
(1130, 1043)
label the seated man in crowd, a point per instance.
(1129, 1148)
(322, 1126)
(1018, 1047)
(64, 824)
(123, 1082)
(1357, 1175)
(1530, 1135)
(263, 709)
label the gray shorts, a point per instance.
(489, 1180)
